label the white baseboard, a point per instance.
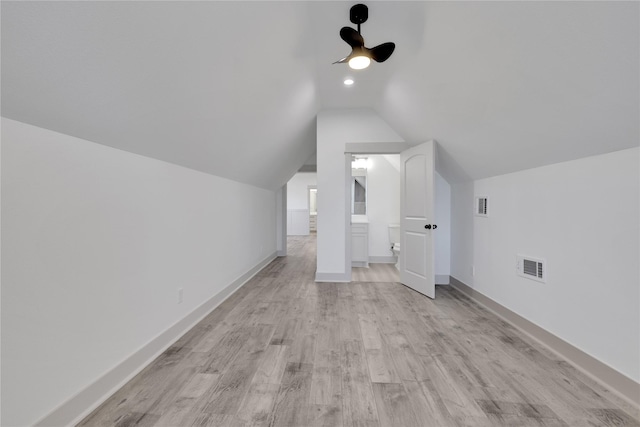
(84, 402)
(622, 385)
(333, 277)
(361, 264)
(382, 260)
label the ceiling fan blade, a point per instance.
(352, 37)
(382, 52)
(343, 60)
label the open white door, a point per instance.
(417, 218)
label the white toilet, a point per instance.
(394, 239)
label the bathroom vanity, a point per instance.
(359, 241)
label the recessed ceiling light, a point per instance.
(348, 82)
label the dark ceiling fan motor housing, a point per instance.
(359, 14)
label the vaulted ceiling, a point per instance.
(233, 88)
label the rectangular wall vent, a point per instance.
(532, 268)
(482, 206)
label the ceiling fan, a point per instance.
(361, 56)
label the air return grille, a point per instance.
(532, 268)
(481, 206)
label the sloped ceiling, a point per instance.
(233, 88)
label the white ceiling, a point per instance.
(233, 88)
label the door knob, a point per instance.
(428, 226)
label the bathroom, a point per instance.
(382, 213)
(381, 209)
(381, 177)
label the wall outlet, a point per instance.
(180, 293)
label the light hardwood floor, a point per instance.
(285, 351)
(375, 273)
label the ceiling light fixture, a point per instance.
(348, 82)
(359, 62)
(361, 56)
(360, 163)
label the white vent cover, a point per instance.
(481, 208)
(532, 268)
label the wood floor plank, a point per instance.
(286, 351)
(359, 407)
(349, 326)
(326, 381)
(325, 416)
(376, 273)
(408, 364)
(179, 413)
(452, 393)
(328, 335)
(394, 406)
(292, 403)
(198, 385)
(137, 419)
(427, 404)
(271, 368)
(382, 368)
(302, 350)
(217, 420)
(222, 354)
(256, 407)
(232, 386)
(286, 331)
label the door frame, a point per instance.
(309, 188)
(364, 148)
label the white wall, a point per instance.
(95, 243)
(335, 128)
(297, 190)
(298, 222)
(281, 221)
(462, 232)
(298, 203)
(442, 236)
(383, 205)
(582, 217)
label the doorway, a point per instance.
(416, 217)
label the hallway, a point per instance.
(286, 351)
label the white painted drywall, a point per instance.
(442, 235)
(95, 243)
(582, 218)
(383, 204)
(298, 222)
(462, 232)
(334, 129)
(297, 189)
(281, 221)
